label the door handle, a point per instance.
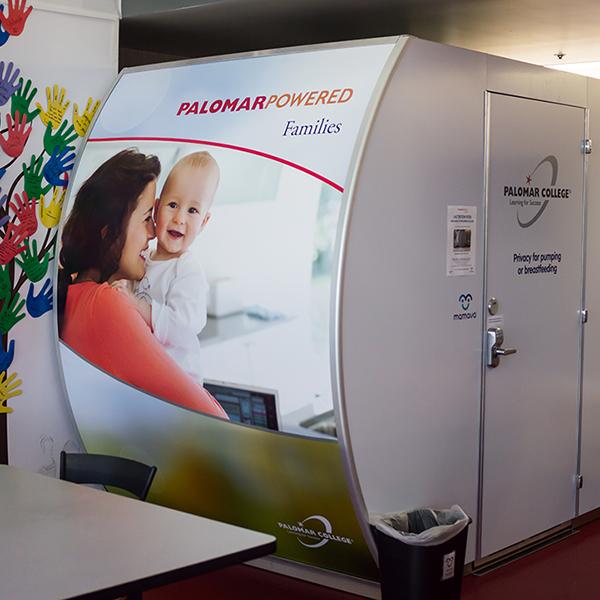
(505, 351)
(495, 339)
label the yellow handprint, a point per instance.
(8, 389)
(82, 122)
(56, 107)
(50, 215)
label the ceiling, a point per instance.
(531, 30)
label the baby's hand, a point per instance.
(123, 286)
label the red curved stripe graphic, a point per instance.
(334, 185)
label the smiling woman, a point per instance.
(139, 231)
(104, 237)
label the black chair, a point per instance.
(124, 473)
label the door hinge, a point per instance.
(585, 315)
(579, 481)
(586, 146)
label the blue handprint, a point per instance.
(7, 82)
(6, 358)
(2, 171)
(42, 303)
(3, 221)
(57, 165)
(4, 35)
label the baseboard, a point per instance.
(588, 517)
(524, 548)
(331, 579)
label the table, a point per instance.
(62, 540)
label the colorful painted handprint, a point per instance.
(82, 122)
(7, 81)
(33, 177)
(24, 209)
(30, 262)
(9, 388)
(59, 164)
(57, 106)
(14, 21)
(11, 244)
(4, 35)
(61, 139)
(17, 134)
(21, 100)
(39, 304)
(50, 214)
(12, 312)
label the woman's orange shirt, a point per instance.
(103, 326)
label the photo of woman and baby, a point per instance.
(131, 308)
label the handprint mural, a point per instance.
(43, 140)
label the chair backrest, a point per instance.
(124, 473)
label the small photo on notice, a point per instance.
(462, 239)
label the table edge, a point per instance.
(174, 575)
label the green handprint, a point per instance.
(61, 139)
(33, 177)
(9, 315)
(21, 100)
(5, 283)
(31, 264)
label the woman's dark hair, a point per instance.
(94, 234)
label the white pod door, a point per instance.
(534, 272)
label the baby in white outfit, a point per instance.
(172, 295)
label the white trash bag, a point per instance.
(422, 526)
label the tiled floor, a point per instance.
(567, 570)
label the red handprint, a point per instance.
(11, 245)
(14, 23)
(16, 135)
(24, 210)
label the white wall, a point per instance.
(72, 43)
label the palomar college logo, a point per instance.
(533, 199)
(314, 532)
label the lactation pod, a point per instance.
(461, 304)
(390, 216)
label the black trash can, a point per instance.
(410, 571)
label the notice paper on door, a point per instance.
(460, 254)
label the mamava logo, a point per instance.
(532, 198)
(314, 532)
(464, 300)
